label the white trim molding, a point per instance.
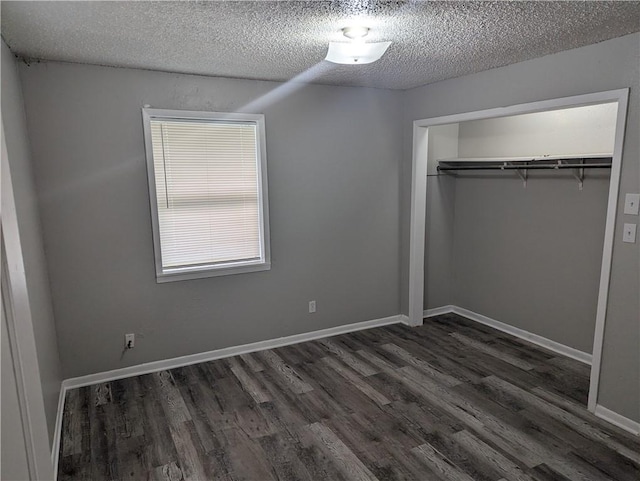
(17, 314)
(622, 98)
(438, 311)
(57, 431)
(181, 361)
(514, 331)
(190, 270)
(418, 222)
(617, 419)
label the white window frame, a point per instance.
(217, 269)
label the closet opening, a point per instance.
(512, 220)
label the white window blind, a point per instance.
(207, 194)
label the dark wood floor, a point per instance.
(450, 400)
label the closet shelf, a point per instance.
(521, 165)
(549, 162)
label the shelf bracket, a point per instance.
(522, 173)
(578, 173)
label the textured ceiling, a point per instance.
(282, 40)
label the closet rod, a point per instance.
(525, 167)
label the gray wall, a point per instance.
(439, 224)
(13, 118)
(531, 257)
(333, 156)
(439, 280)
(608, 65)
(589, 129)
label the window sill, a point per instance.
(185, 275)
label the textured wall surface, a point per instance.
(333, 155)
(608, 65)
(44, 328)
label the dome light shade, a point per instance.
(356, 53)
(355, 31)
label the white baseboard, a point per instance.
(57, 432)
(155, 366)
(514, 331)
(438, 311)
(164, 364)
(617, 419)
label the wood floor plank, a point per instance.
(103, 452)
(388, 457)
(168, 472)
(247, 457)
(358, 382)
(205, 414)
(189, 451)
(562, 382)
(340, 454)
(378, 361)
(487, 455)
(160, 449)
(439, 358)
(447, 400)
(284, 409)
(348, 358)
(442, 440)
(294, 380)
(596, 456)
(421, 365)
(578, 410)
(281, 450)
(252, 362)
(253, 423)
(439, 464)
(504, 435)
(334, 397)
(102, 394)
(175, 409)
(492, 351)
(392, 388)
(563, 416)
(71, 433)
(127, 412)
(250, 384)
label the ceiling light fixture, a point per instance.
(355, 31)
(356, 51)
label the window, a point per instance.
(208, 191)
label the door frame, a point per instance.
(15, 300)
(419, 204)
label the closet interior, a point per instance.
(515, 223)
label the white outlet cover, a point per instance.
(629, 233)
(632, 204)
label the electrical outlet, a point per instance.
(312, 306)
(129, 341)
